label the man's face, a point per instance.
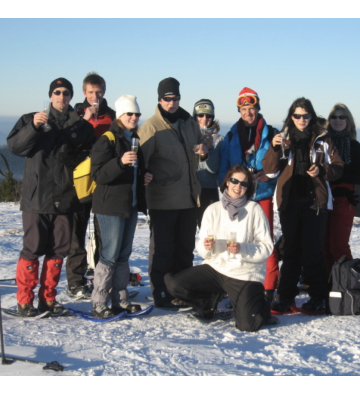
(170, 106)
(60, 98)
(93, 92)
(249, 114)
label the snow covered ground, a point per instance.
(168, 343)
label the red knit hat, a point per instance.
(248, 97)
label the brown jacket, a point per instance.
(170, 158)
(322, 152)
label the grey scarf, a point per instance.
(232, 206)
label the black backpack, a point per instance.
(344, 297)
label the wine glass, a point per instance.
(95, 103)
(231, 238)
(134, 148)
(283, 147)
(211, 238)
(45, 126)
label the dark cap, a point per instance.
(61, 83)
(168, 86)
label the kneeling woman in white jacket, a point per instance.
(237, 269)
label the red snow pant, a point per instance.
(272, 263)
(338, 230)
(48, 235)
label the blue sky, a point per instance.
(281, 59)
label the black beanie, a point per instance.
(61, 83)
(168, 86)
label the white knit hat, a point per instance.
(126, 103)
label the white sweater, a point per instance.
(253, 234)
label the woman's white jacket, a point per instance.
(253, 234)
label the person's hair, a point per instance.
(93, 78)
(240, 169)
(350, 123)
(214, 121)
(305, 104)
(121, 125)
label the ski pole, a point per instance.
(4, 361)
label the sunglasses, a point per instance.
(246, 101)
(299, 116)
(58, 93)
(208, 116)
(342, 117)
(169, 99)
(130, 114)
(244, 184)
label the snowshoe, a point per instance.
(313, 306)
(129, 307)
(282, 306)
(102, 311)
(27, 310)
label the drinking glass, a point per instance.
(134, 148)
(231, 238)
(283, 147)
(96, 105)
(47, 105)
(211, 238)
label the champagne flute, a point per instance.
(283, 147)
(197, 153)
(231, 238)
(134, 148)
(211, 238)
(95, 103)
(45, 126)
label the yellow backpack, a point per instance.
(83, 182)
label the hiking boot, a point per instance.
(102, 311)
(51, 305)
(80, 292)
(129, 307)
(283, 305)
(314, 305)
(27, 310)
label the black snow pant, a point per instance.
(208, 196)
(172, 243)
(303, 231)
(202, 287)
(76, 263)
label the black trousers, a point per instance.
(303, 230)
(76, 263)
(208, 196)
(202, 288)
(172, 243)
(46, 234)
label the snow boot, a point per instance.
(49, 279)
(50, 305)
(283, 305)
(27, 310)
(27, 278)
(102, 311)
(314, 305)
(129, 307)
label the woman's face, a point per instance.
(203, 121)
(336, 123)
(129, 121)
(304, 121)
(236, 191)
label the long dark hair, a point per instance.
(305, 104)
(240, 169)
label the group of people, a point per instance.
(174, 176)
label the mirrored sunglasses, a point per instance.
(169, 99)
(58, 93)
(299, 116)
(342, 117)
(244, 184)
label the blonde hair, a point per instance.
(350, 123)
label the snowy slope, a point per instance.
(167, 343)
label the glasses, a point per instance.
(208, 116)
(305, 116)
(130, 114)
(169, 99)
(246, 101)
(342, 117)
(244, 184)
(58, 93)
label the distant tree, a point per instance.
(9, 188)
